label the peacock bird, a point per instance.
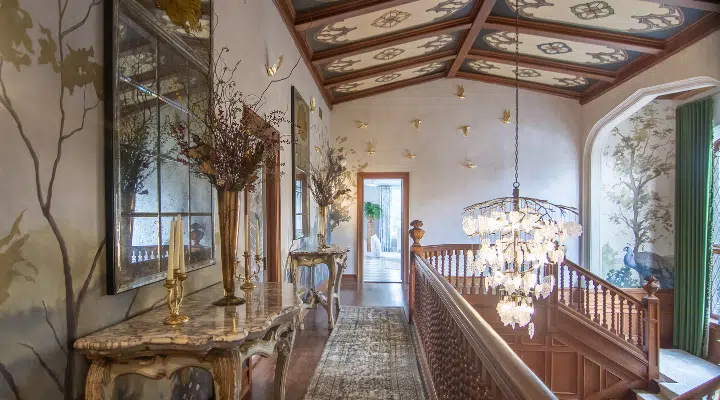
(648, 263)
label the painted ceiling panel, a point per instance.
(564, 81)
(390, 54)
(634, 17)
(388, 78)
(383, 22)
(306, 5)
(555, 49)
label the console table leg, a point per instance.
(332, 267)
(227, 375)
(98, 381)
(284, 348)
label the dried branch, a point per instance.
(86, 284)
(275, 81)
(45, 366)
(10, 381)
(52, 327)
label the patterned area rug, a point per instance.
(369, 355)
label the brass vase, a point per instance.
(322, 228)
(229, 215)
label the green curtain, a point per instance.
(694, 140)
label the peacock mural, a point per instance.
(638, 198)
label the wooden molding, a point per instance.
(389, 68)
(287, 13)
(390, 87)
(707, 5)
(681, 96)
(376, 43)
(480, 17)
(701, 28)
(349, 278)
(546, 65)
(498, 80)
(577, 34)
(328, 15)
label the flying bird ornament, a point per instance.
(370, 148)
(361, 125)
(271, 70)
(465, 129)
(469, 164)
(409, 154)
(460, 92)
(313, 104)
(506, 117)
(416, 123)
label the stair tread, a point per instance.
(645, 395)
(674, 389)
(682, 367)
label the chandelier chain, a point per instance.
(516, 184)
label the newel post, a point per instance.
(416, 233)
(651, 328)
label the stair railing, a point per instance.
(707, 391)
(461, 355)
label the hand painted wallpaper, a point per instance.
(637, 209)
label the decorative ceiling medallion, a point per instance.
(448, 7)
(348, 87)
(342, 65)
(387, 78)
(526, 74)
(592, 10)
(616, 15)
(430, 68)
(567, 50)
(554, 48)
(391, 19)
(333, 34)
(388, 54)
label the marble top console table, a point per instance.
(335, 257)
(218, 339)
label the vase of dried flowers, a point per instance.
(229, 144)
(322, 227)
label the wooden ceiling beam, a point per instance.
(467, 43)
(389, 68)
(391, 86)
(376, 43)
(545, 65)
(499, 80)
(700, 29)
(577, 34)
(287, 13)
(712, 6)
(330, 14)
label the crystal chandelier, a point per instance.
(521, 240)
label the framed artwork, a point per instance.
(300, 117)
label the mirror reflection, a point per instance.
(301, 165)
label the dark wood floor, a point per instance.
(309, 344)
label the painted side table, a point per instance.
(217, 339)
(335, 258)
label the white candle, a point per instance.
(180, 243)
(171, 252)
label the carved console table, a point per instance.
(217, 339)
(335, 258)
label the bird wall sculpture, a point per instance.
(460, 92)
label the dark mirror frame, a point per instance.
(171, 40)
(295, 97)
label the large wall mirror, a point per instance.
(157, 68)
(300, 116)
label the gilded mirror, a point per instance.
(300, 116)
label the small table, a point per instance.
(335, 258)
(217, 339)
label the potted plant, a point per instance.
(372, 212)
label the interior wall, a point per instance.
(32, 293)
(440, 184)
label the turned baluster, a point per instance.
(621, 331)
(639, 325)
(442, 262)
(587, 297)
(604, 306)
(457, 267)
(612, 312)
(595, 294)
(465, 266)
(561, 275)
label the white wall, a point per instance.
(440, 186)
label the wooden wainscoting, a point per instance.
(570, 367)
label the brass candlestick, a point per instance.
(175, 292)
(247, 280)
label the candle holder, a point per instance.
(247, 280)
(175, 292)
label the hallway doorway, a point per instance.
(382, 222)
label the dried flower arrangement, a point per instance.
(328, 171)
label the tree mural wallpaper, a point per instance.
(638, 186)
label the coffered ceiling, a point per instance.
(571, 48)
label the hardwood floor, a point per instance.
(309, 344)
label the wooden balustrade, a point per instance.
(462, 357)
(709, 390)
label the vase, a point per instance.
(322, 228)
(229, 221)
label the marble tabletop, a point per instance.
(209, 326)
(312, 250)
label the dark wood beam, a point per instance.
(286, 11)
(583, 35)
(390, 86)
(381, 70)
(499, 80)
(328, 15)
(376, 43)
(700, 29)
(470, 36)
(713, 6)
(546, 65)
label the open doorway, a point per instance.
(382, 217)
